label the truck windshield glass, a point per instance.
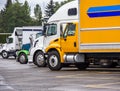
(70, 30)
(18, 32)
(10, 40)
(39, 34)
(52, 30)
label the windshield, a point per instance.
(39, 34)
(18, 32)
(52, 30)
(10, 40)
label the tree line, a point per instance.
(16, 14)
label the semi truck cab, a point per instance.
(38, 54)
(12, 43)
(19, 40)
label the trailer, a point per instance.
(94, 38)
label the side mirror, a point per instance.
(44, 33)
(7, 40)
(45, 29)
(15, 33)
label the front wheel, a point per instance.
(22, 58)
(5, 54)
(40, 59)
(53, 61)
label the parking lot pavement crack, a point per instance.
(4, 86)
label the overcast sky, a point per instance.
(32, 3)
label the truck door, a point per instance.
(69, 40)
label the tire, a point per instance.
(34, 62)
(81, 66)
(105, 63)
(40, 59)
(114, 65)
(118, 62)
(22, 58)
(53, 61)
(5, 54)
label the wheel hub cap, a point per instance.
(40, 59)
(53, 61)
(22, 58)
(4, 54)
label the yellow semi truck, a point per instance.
(95, 38)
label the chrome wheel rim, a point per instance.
(53, 60)
(22, 58)
(40, 59)
(4, 54)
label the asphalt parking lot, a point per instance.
(28, 77)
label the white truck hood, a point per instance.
(2, 47)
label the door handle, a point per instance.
(75, 44)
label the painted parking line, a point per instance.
(114, 86)
(86, 77)
(69, 76)
(89, 75)
(105, 85)
(74, 75)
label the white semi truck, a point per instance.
(19, 40)
(53, 31)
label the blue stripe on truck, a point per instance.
(104, 11)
